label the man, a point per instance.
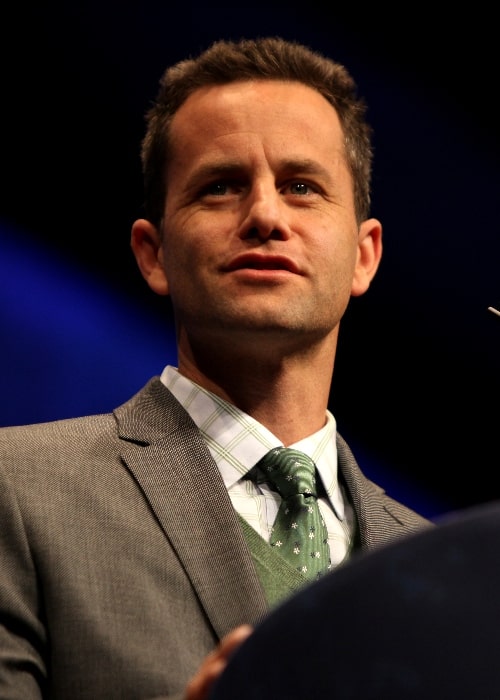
(126, 552)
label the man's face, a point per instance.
(260, 239)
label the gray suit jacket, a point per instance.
(122, 561)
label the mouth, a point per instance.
(251, 261)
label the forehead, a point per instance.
(268, 110)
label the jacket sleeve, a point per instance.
(23, 637)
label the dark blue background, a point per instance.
(416, 389)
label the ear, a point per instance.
(146, 245)
(368, 257)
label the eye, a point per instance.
(217, 188)
(300, 188)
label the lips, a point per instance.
(251, 261)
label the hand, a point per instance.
(213, 664)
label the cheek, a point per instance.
(196, 239)
(186, 258)
(337, 257)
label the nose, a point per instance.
(265, 214)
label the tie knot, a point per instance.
(289, 470)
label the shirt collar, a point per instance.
(237, 441)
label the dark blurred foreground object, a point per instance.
(417, 619)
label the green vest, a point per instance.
(279, 579)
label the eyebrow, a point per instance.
(306, 166)
(227, 168)
(212, 170)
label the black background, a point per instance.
(416, 388)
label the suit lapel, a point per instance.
(377, 524)
(163, 449)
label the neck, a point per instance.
(288, 394)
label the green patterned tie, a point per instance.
(299, 530)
